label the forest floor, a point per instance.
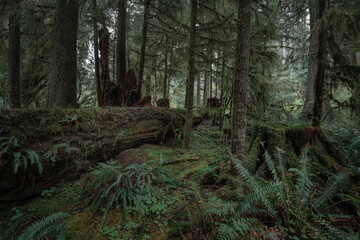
(171, 205)
(184, 183)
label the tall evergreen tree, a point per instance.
(14, 54)
(191, 77)
(241, 79)
(96, 51)
(64, 57)
(312, 65)
(143, 48)
(121, 43)
(320, 75)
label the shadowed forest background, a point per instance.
(189, 119)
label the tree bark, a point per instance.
(205, 96)
(166, 69)
(143, 49)
(63, 60)
(191, 77)
(241, 79)
(14, 54)
(121, 44)
(198, 90)
(320, 75)
(312, 65)
(96, 52)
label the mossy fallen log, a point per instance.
(68, 142)
(292, 141)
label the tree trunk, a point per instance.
(210, 81)
(14, 54)
(320, 75)
(312, 65)
(121, 44)
(166, 69)
(191, 78)
(63, 62)
(198, 90)
(143, 49)
(205, 96)
(241, 79)
(96, 52)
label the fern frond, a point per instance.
(262, 196)
(303, 184)
(235, 227)
(331, 188)
(249, 178)
(271, 166)
(41, 228)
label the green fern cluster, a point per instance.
(290, 199)
(129, 187)
(10, 146)
(49, 227)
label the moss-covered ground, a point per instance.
(196, 175)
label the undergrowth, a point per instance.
(289, 206)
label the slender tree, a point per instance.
(96, 51)
(312, 65)
(191, 77)
(143, 49)
(241, 79)
(320, 75)
(166, 68)
(198, 90)
(63, 57)
(121, 44)
(14, 54)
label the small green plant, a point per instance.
(21, 157)
(49, 192)
(53, 154)
(112, 233)
(129, 187)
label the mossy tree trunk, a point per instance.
(64, 57)
(14, 54)
(143, 49)
(320, 75)
(191, 77)
(165, 86)
(121, 44)
(198, 90)
(96, 50)
(241, 79)
(312, 65)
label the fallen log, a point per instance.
(68, 142)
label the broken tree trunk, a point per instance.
(291, 142)
(68, 142)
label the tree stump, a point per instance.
(163, 103)
(213, 103)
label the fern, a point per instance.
(303, 184)
(330, 189)
(20, 156)
(129, 187)
(218, 207)
(48, 226)
(231, 230)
